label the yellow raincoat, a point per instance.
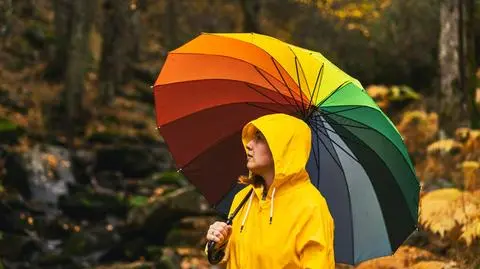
(292, 227)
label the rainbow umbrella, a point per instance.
(210, 87)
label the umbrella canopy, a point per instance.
(209, 88)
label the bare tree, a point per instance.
(172, 27)
(469, 64)
(451, 99)
(77, 61)
(457, 65)
(251, 15)
(120, 46)
(63, 12)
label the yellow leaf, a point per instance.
(433, 265)
(471, 174)
(436, 213)
(471, 232)
(445, 146)
(444, 210)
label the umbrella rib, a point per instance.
(342, 136)
(280, 73)
(312, 95)
(316, 129)
(333, 92)
(269, 109)
(283, 79)
(333, 141)
(342, 124)
(317, 160)
(275, 88)
(340, 111)
(298, 77)
(268, 97)
(300, 85)
(380, 133)
(348, 191)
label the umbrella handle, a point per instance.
(215, 256)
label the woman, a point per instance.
(286, 222)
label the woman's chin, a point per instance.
(251, 166)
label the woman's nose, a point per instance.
(249, 145)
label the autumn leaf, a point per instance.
(471, 174)
(435, 265)
(445, 210)
(436, 213)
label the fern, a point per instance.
(471, 175)
(452, 213)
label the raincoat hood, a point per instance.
(289, 140)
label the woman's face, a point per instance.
(259, 156)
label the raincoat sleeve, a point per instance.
(315, 240)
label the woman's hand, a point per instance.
(219, 232)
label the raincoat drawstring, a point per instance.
(246, 213)
(271, 205)
(250, 204)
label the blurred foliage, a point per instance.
(452, 213)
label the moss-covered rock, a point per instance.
(132, 161)
(91, 205)
(10, 132)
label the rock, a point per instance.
(133, 265)
(83, 162)
(132, 161)
(49, 173)
(17, 247)
(169, 259)
(157, 217)
(111, 180)
(88, 241)
(41, 175)
(16, 175)
(168, 178)
(15, 215)
(90, 205)
(185, 237)
(55, 260)
(10, 132)
(190, 231)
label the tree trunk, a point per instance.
(119, 47)
(6, 9)
(251, 15)
(470, 63)
(77, 63)
(63, 12)
(171, 20)
(453, 109)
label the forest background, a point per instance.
(87, 182)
